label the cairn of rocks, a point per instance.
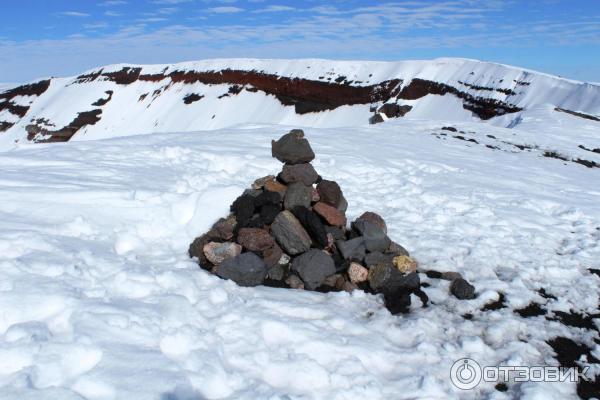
(291, 231)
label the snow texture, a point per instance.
(99, 300)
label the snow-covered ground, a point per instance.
(99, 300)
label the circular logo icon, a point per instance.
(465, 374)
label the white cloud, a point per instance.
(110, 3)
(225, 10)
(74, 14)
(275, 8)
(112, 14)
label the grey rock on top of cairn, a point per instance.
(290, 230)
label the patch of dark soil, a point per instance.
(460, 137)
(192, 97)
(449, 128)
(101, 102)
(554, 154)
(484, 108)
(5, 125)
(64, 134)
(578, 114)
(592, 150)
(496, 305)
(587, 163)
(532, 310)
(468, 316)
(501, 387)
(575, 319)
(491, 136)
(508, 92)
(546, 295)
(594, 271)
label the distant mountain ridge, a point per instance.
(121, 100)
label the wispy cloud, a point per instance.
(112, 14)
(74, 14)
(225, 10)
(275, 8)
(110, 3)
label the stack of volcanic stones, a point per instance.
(291, 231)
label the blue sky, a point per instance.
(41, 38)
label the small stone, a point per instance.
(196, 249)
(396, 250)
(357, 273)
(224, 227)
(353, 249)
(313, 225)
(314, 193)
(462, 289)
(292, 148)
(405, 264)
(329, 192)
(255, 239)
(378, 257)
(376, 119)
(261, 182)
(313, 267)
(272, 255)
(375, 219)
(294, 282)
(383, 278)
(277, 272)
(247, 269)
(331, 280)
(343, 206)
(290, 234)
(349, 286)
(216, 253)
(450, 275)
(277, 187)
(302, 173)
(296, 195)
(374, 237)
(330, 214)
(397, 302)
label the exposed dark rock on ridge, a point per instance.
(42, 135)
(6, 103)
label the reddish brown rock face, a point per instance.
(330, 214)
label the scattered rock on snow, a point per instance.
(462, 289)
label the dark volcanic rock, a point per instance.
(243, 209)
(272, 255)
(396, 249)
(313, 225)
(255, 239)
(247, 269)
(335, 231)
(224, 227)
(386, 279)
(290, 234)
(313, 267)
(462, 289)
(374, 237)
(292, 148)
(303, 173)
(353, 249)
(268, 212)
(330, 192)
(196, 249)
(374, 219)
(376, 119)
(267, 197)
(297, 194)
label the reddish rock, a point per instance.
(330, 192)
(357, 273)
(272, 255)
(255, 239)
(261, 182)
(277, 187)
(330, 214)
(216, 253)
(374, 219)
(224, 227)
